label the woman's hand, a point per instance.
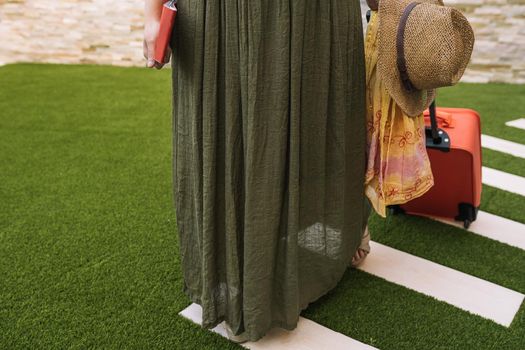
(152, 11)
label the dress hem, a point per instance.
(279, 324)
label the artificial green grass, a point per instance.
(504, 162)
(88, 244)
(497, 104)
(389, 316)
(88, 241)
(506, 204)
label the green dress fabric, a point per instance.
(268, 155)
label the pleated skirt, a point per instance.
(269, 138)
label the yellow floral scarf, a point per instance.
(398, 168)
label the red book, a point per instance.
(167, 19)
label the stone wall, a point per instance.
(71, 31)
(499, 51)
(110, 32)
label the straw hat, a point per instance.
(422, 45)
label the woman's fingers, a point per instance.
(151, 31)
(148, 48)
(150, 54)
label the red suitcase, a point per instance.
(454, 147)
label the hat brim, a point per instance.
(412, 103)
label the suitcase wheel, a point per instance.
(467, 213)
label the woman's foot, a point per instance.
(363, 250)
(235, 338)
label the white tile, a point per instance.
(503, 181)
(500, 145)
(464, 291)
(308, 335)
(194, 313)
(496, 228)
(518, 123)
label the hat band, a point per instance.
(400, 45)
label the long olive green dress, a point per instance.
(268, 155)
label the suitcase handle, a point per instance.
(436, 138)
(433, 123)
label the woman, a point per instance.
(268, 154)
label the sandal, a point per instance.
(363, 250)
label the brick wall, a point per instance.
(71, 31)
(499, 51)
(110, 32)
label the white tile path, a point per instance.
(495, 227)
(308, 335)
(503, 181)
(518, 123)
(500, 145)
(464, 291)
